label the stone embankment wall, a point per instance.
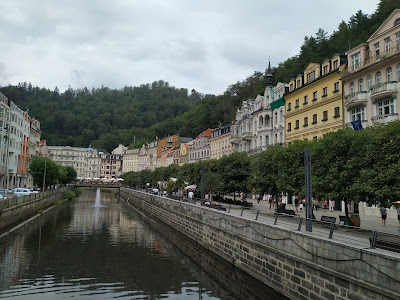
(296, 264)
(27, 206)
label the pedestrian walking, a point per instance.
(301, 206)
(191, 195)
(316, 204)
(383, 215)
(398, 215)
(275, 202)
(258, 198)
(325, 204)
(270, 202)
(296, 202)
(332, 204)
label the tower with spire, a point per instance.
(269, 77)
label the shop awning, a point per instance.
(278, 103)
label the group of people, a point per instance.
(299, 204)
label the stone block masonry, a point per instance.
(29, 207)
(297, 264)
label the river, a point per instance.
(97, 247)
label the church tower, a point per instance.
(269, 77)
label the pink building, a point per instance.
(372, 81)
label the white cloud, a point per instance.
(205, 45)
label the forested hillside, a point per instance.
(103, 117)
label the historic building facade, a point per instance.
(259, 123)
(130, 161)
(372, 80)
(220, 142)
(200, 148)
(314, 103)
(75, 157)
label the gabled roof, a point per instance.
(206, 133)
(391, 19)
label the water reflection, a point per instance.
(104, 250)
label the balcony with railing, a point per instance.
(389, 53)
(355, 98)
(383, 89)
(248, 135)
(382, 119)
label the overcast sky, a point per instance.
(204, 45)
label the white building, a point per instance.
(93, 164)
(200, 148)
(372, 81)
(259, 123)
(75, 157)
(130, 161)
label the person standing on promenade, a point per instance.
(296, 202)
(332, 205)
(270, 202)
(325, 204)
(398, 215)
(316, 204)
(383, 215)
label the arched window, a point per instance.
(267, 120)
(261, 121)
(369, 82)
(351, 87)
(361, 85)
(378, 77)
(389, 76)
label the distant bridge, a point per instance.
(98, 185)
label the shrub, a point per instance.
(68, 194)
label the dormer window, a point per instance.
(298, 83)
(325, 70)
(397, 22)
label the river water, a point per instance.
(97, 247)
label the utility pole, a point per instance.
(202, 181)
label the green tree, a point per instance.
(41, 167)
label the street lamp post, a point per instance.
(44, 173)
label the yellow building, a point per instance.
(314, 103)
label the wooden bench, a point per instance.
(328, 220)
(386, 244)
(289, 212)
(342, 219)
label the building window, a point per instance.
(325, 92)
(289, 106)
(389, 76)
(387, 45)
(336, 112)
(311, 76)
(314, 119)
(378, 77)
(336, 87)
(351, 87)
(298, 83)
(297, 124)
(385, 107)
(315, 95)
(325, 115)
(289, 126)
(335, 64)
(305, 100)
(377, 49)
(305, 122)
(280, 116)
(291, 87)
(398, 40)
(355, 61)
(357, 114)
(297, 103)
(369, 82)
(267, 140)
(276, 117)
(325, 70)
(360, 85)
(398, 72)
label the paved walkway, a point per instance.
(366, 222)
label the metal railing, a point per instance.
(369, 238)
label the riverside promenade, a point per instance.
(367, 222)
